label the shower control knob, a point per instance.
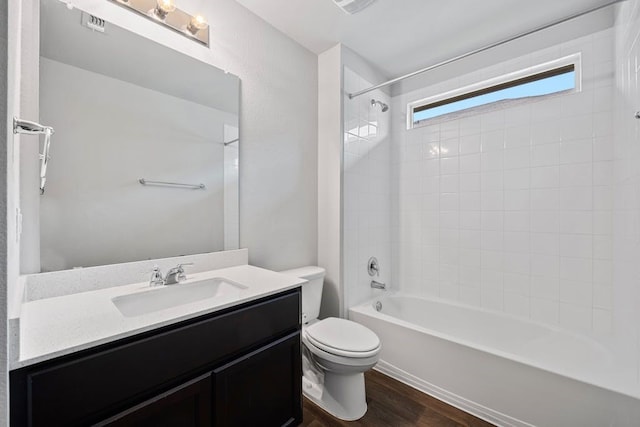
(373, 267)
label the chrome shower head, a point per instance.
(383, 107)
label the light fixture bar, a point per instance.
(166, 13)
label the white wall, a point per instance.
(278, 125)
(4, 136)
(94, 211)
(626, 203)
(330, 180)
(510, 209)
(9, 255)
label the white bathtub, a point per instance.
(500, 368)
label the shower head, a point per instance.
(383, 107)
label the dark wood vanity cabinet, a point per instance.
(238, 367)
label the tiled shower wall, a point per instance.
(626, 210)
(366, 188)
(510, 209)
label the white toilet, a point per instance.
(336, 353)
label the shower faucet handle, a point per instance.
(372, 267)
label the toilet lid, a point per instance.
(342, 334)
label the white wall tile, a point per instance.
(543, 265)
(492, 161)
(576, 175)
(492, 181)
(515, 158)
(577, 198)
(517, 179)
(449, 165)
(545, 177)
(517, 200)
(545, 155)
(449, 183)
(469, 182)
(470, 144)
(545, 310)
(545, 199)
(576, 269)
(517, 136)
(516, 204)
(576, 245)
(470, 163)
(577, 151)
(517, 221)
(545, 243)
(471, 220)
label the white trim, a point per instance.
(473, 408)
(574, 59)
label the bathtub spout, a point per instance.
(378, 285)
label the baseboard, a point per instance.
(452, 399)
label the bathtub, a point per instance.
(503, 369)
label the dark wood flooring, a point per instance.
(394, 404)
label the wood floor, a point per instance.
(391, 403)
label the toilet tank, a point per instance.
(311, 291)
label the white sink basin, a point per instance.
(175, 295)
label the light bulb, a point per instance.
(163, 8)
(197, 23)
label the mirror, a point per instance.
(124, 109)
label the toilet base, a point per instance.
(342, 396)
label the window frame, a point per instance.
(513, 79)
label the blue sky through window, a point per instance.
(544, 86)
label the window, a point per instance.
(558, 76)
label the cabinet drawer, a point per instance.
(94, 387)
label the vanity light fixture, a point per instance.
(163, 8)
(196, 24)
(166, 12)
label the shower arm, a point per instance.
(27, 127)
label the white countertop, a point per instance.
(62, 325)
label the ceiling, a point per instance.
(400, 36)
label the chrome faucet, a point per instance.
(378, 285)
(176, 274)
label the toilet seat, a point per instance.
(341, 337)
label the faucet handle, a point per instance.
(156, 277)
(181, 275)
(184, 264)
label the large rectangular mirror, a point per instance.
(124, 109)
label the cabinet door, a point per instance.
(262, 388)
(188, 405)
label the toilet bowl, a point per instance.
(336, 353)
